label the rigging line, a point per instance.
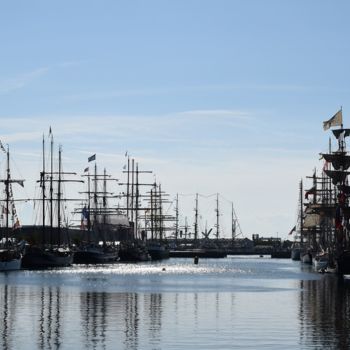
(227, 200)
(207, 196)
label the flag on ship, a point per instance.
(292, 230)
(336, 120)
(93, 157)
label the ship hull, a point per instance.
(94, 257)
(39, 258)
(295, 254)
(343, 263)
(10, 260)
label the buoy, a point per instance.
(163, 269)
(196, 260)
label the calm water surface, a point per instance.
(232, 303)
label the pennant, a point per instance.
(336, 120)
(93, 157)
(86, 170)
(20, 182)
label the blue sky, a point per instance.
(213, 96)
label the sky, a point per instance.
(224, 96)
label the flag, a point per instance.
(338, 218)
(86, 170)
(124, 167)
(20, 182)
(2, 147)
(312, 190)
(93, 157)
(16, 225)
(336, 120)
(126, 153)
(325, 166)
(292, 230)
(50, 131)
(85, 213)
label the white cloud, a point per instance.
(22, 80)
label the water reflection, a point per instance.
(8, 310)
(325, 312)
(94, 313)
(49, 321)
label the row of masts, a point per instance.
(148, 220)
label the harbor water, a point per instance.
(231, 303)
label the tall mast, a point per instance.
(217, 216)
(128, 191)
(301, 212)
(89, 208)
(132, 190)
(7, 189)
(196, 219)
(152, 215)
(233, 225)
(177, 217)
(95, 196)
(59, 195)
(43, 187)
(51, 191)
(136, 201)
(160, 214)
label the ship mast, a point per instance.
(196, 219)
(217, 216)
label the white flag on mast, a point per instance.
(336, 120)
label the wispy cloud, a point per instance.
(21, 81)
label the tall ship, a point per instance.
(53, 247)
(339, 160)
(10, 250)
(330, 236)
(97, 219)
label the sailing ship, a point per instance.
(134, 248)
(10, 251)
(327, 215)
(157, 247)
(339, 249)
(53, 250)
(97, 226)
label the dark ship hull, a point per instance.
(95, 255)
(343, 263)
(158, 251)
(133, 252)
(41, 258)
